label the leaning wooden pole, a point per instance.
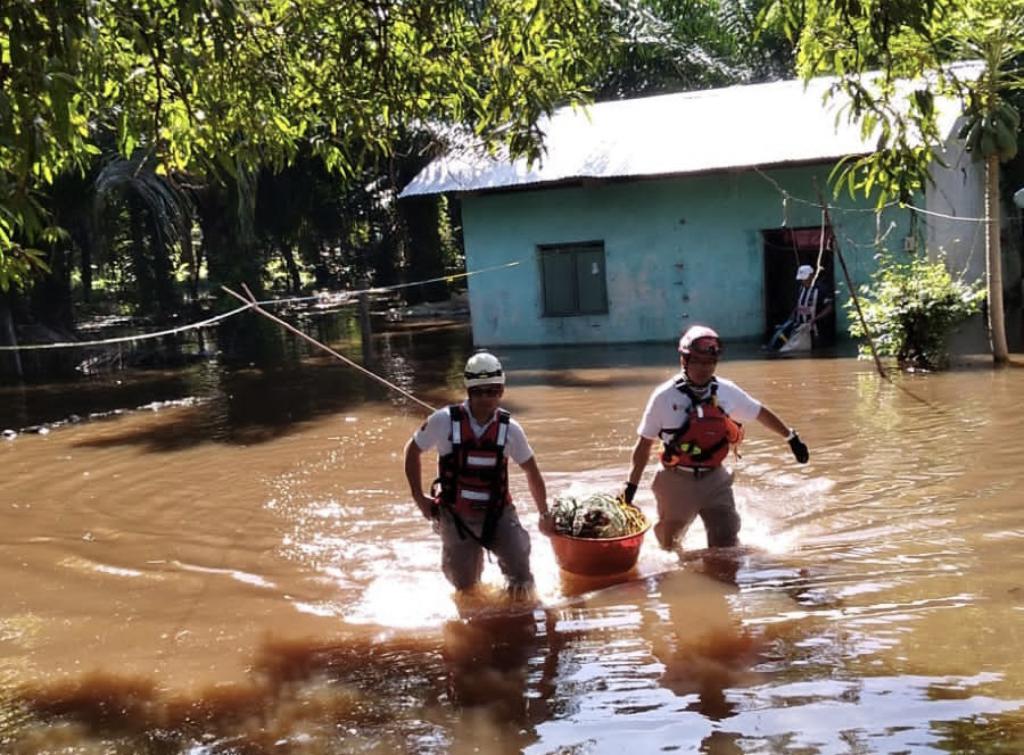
(255, 306)
(853, 291)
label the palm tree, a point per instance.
(160, 219)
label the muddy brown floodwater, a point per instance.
(243, 572)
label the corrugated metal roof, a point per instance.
(693, 132)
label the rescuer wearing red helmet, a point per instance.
(470, 499)
(698, 417)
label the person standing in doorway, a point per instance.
(470, 499)
(812, 303)
(698, 417)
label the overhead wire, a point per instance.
(342, 297)
(977, 222)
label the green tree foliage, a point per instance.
(911, 308)
(676, 45)
(911, 46)
(225, 87)
(894, 59)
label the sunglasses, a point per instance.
(706, 348)
(496, 390)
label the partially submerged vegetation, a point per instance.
(911, 308)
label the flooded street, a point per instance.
(241, 570)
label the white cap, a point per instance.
(483, 368)
(804, 272)
(696, 333)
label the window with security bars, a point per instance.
(573, 279)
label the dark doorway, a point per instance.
(785, 249)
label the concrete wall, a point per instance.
(678, 251)
(959, 190)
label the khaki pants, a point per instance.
(462, 559)
(682, 496)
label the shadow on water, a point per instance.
(245, 404)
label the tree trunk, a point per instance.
(188, 253)
(365, 324)
(994, 262)
(144, 292)
(8, 337)
(163, 270)
(85, 267)
(420, 216)
(233, 259)
(50, 300)
(288, 255)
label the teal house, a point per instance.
(648, 215)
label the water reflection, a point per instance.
(245, 574)
(499, 675)
(701, 642)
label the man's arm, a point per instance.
(539, 492)
(771, 420)
(414, 476)
(641, 455)
(825, 311)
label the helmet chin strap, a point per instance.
(690, 380)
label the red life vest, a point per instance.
(474, 476)
(706, 434)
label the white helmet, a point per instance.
(483, 368)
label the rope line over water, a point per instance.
(125, 339)
(338, 297)
(255, 306)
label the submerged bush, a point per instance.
(912, 308)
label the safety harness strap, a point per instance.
(469, 463)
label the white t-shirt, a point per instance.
(436, 432)
(667, 408)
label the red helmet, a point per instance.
(700, 339)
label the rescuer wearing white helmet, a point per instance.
(698, 417)
(470, 499)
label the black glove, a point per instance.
(629, 493)
(800, 452)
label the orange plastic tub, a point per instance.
(594, 557)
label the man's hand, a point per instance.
(799, 448)
(546, 523)
(629, 493)
(427, 506)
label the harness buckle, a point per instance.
(697, 472)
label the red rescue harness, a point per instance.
(474, 476)
(704, 439)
